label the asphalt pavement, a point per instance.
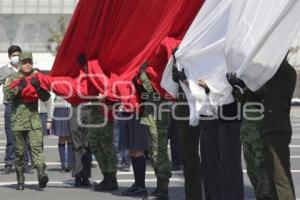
(61, 187)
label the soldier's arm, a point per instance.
(9, 93)
(146, 82)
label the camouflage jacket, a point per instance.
(25, 116)
(151, 112)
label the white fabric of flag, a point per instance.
(294, 55)
(201, 54)
(249, 37)
(259, 35)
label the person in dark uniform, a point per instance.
(221, 154)
(189, 140)
(277, 130)
(174, 145)
(230, 151)
(220, 151)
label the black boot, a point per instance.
(78, 182)
(135, 191)
(42, 177)
(86, 182)
(109, 183)
(21, 180)
(158, 194)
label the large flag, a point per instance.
(117, 37)
(249, 37)
(201, 55)
(259, 36)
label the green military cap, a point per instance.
(26, 55)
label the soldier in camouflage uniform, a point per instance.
(158, 136)
(25, 122)
(254, 158)
(101, 141)
(252, 142)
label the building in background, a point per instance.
(28, 23)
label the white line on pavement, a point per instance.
(294, 146)
(294, 156)
(52, 137)
(45, 147)
(61, 182)
(51, 163)
(149, 173)
(293, 171)
(55, 146)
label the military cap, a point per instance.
(26, 55)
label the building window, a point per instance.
(37, 6)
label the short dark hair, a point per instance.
(12, 49)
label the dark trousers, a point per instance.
(82, 155)
(210, 159)
(230, 154)
(221, 160)
(10, 149)
(174, 143)
(277, 155)
(189, 139)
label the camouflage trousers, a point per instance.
(101, 142)
(253, 149)
(35, 138)
(158, 147)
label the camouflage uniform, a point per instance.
(253, 149)
(101, 141)
(158, 134)
(25, 122)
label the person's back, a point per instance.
(277, 130)
(277, 99)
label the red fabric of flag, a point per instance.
(117, 37)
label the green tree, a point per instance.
(57, 35)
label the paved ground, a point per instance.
(60, 186)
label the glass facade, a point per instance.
(37, 6)
(28, 22)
